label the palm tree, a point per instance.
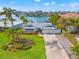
(5, 13)
(8, 12)
(13, 34)
(23, 19)
(15, 13)
(54, 18)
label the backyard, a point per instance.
(36, 52)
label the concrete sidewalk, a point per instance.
(53, 49)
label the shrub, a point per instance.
(75, 48)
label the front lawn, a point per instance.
(36, 52)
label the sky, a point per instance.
(44, 5)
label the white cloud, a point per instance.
(37, 0)
(62, 5)
(46, 3)
(73, 5)
(53, 2)
(69, 5)
(76, 4)
(11, 2)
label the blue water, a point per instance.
(38, 19)
(34, 19)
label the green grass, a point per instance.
(36, 52)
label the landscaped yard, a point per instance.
(70, 37)
(36, 52)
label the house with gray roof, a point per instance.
(45, 28)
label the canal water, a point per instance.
(38, 19)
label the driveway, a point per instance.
(53, 49)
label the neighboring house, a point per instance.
(16, 24)
(73, 29)
(70, 15)
(46, 28)
(29, 30)
(69, 28)
(51, 30)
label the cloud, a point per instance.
(46, 3)
(73, 4)
(69, 5)
(53, 2)
(37, 0)
(11, 2)
(61, 5)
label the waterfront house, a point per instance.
(16, 24)
(44, 28)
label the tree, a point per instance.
(8, 12)
(54, 18)
(13, 33)
(23, 19)
(5, 13)
(74, 23)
